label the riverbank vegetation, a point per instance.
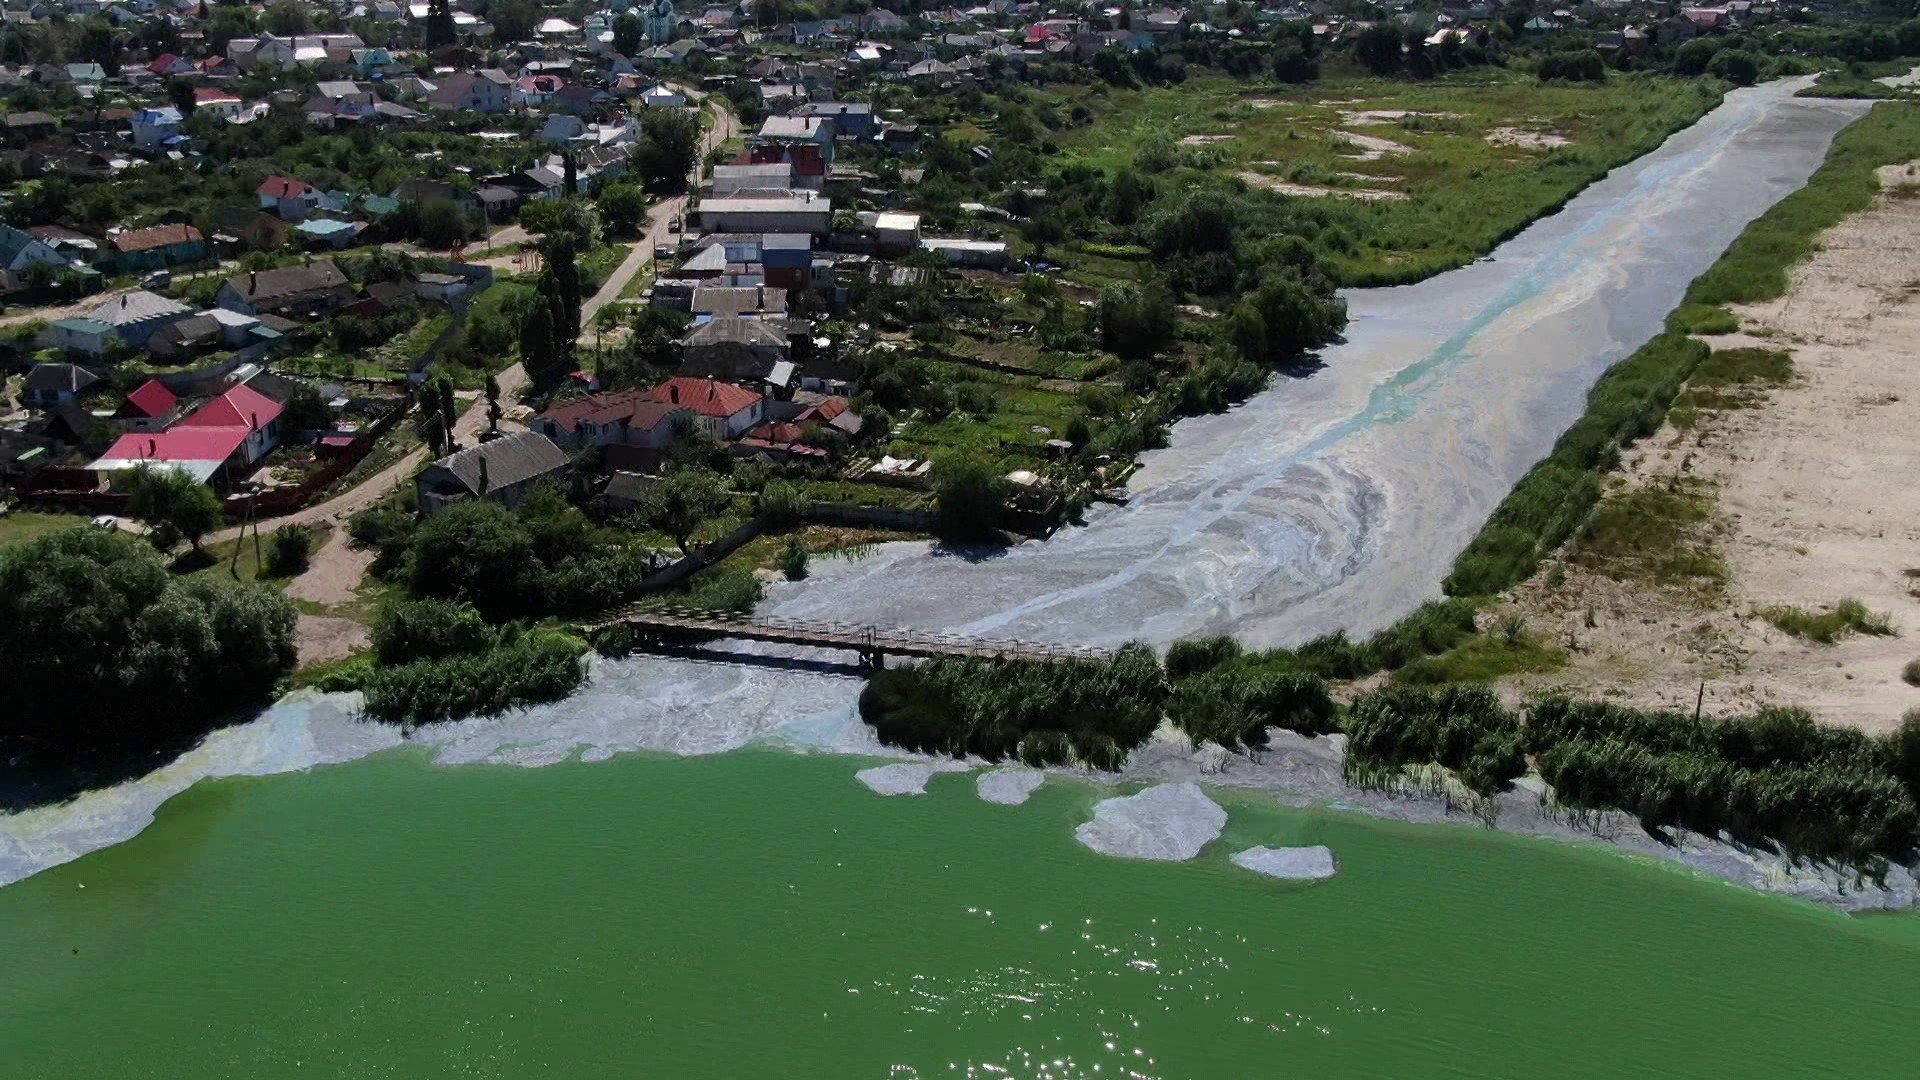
(114, 661)
(1775, 780)
(1553, 501)
(1089, 712)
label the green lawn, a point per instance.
(23, 526)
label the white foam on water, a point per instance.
(298, 732)
(1009, 787)
(1292, 864)
(905, 778)
(1169, 822)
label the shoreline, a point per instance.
(308, 730)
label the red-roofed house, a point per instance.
(201, 452)
(243, 407)
(627, 417)
(150, 407)
(155, 247)
(722, 410)
(292, 199)
(214, 101)
(778, 442)
(167, 64)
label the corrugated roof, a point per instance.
(510, 460)
(633, 406)
(150, 398)
(177, 444)
(731, 330)
(155, 236)
(705, 396)
(242, 406)
(137, 306)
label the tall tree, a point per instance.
(537, 348)
(678, 504)
(627, 32)
(174, 506)
(440, 27)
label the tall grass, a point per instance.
(1091, 712)
(1828, 625)
(1775, 779)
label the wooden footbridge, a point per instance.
(656, 627)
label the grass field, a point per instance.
(24, 526)
(1422, 176)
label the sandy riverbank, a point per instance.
(1811, 505)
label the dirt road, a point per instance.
(512, 380)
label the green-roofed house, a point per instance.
(379, 205)
(329, 232)
(80, 335)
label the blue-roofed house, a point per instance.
(155, 126)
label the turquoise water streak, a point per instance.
(760, 914)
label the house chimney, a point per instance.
(483, 474)
(253, 281)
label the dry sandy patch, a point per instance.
(324, 638)
(1204, 140)
(1371, 117)
(1527, 140)
(1313, 191)
(1372, 147)
(1815, 505)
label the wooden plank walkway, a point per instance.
(656, 626)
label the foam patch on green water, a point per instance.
(1291, 864)
(1009, 787)
(299, 732)
(1170, 822)
(905, 779)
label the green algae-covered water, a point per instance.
(759, 914)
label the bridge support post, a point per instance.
(873, 660)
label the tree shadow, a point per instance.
(972, 551)
(704, 655)
(35, 773)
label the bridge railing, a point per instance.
(833, 634)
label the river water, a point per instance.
(761, 913)
(1339, 501)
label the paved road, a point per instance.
(724, 127)
(513, 379)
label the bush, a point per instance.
(1093, 712)
(781, 505)
(1772, 779)
(105, 649)
(288, 550)
(409, 630)
(1235, 708)
(793, 559)
(1462, 728)
(538, 668)
(1197, 656)
(1911, 673)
